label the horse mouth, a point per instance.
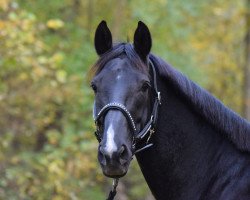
(115, 176)
(114, 172)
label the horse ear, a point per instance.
(142, 40)
(103, 38)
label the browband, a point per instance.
(117, 106)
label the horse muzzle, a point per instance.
(114, 163)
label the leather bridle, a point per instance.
(139, 137)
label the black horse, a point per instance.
(200, 147)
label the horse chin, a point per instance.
(114, 172)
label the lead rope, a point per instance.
(112, 192)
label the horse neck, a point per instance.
(186, 150)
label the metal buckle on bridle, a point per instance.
(159, 97)
(147, 145)
(151, 131)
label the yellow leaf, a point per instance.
(55, 24)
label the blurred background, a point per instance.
(47, 146)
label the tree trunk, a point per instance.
(247, 65)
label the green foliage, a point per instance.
(48, 150)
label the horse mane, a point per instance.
(226, 121)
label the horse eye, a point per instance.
(145, 86)
(93, 87)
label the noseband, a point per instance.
(147, 131)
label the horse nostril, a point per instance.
(110, 157)
(121, 151)
(101, 156)
(101, 150)
(123, 155)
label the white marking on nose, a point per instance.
(110, 144)
(118, 77)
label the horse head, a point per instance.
(123, 100)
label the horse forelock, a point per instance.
(119, 50)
